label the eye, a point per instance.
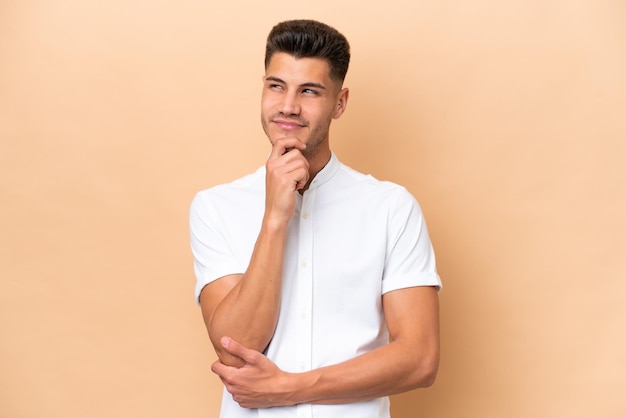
(310, 91)
(274, 86)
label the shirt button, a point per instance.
(305, 215)
(303, 264)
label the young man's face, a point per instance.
(299, 100)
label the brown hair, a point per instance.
(310, 39)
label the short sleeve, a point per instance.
(212, 254)
(410, 258)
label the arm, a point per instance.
(408, 362)
(246, 306)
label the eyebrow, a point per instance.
(307, 84)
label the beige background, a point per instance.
(507, 120)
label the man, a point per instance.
(317, 283)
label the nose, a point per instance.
(290, 105)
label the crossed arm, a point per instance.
(408, 362)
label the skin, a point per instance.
(299, 101)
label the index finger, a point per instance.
(220, 368)
(283, 145)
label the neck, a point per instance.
(316, 163)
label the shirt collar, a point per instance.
(325, 173)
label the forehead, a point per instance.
(298, 70)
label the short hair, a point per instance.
(310, 39)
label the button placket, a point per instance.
(305, 284)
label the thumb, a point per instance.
(237, 349)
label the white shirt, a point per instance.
(352, 238)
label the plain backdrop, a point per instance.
(507, 121)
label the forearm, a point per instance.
(394, 368)
(408, 362)
(249, 311)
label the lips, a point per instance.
(287, 125)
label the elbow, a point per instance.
(224, 355)
(217, 331)
(249, 341)
(215, 336)
(429, 377)
(425, 373)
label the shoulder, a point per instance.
(237, 193)
(371, 187)
(249, 184)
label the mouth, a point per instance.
(288, 125)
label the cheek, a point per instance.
(326, 116)
(264, 104)
(267, 102)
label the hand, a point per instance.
(287, 170)
(259, 383)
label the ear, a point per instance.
(342, 102)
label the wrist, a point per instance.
(300, 387)
(275, 224)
